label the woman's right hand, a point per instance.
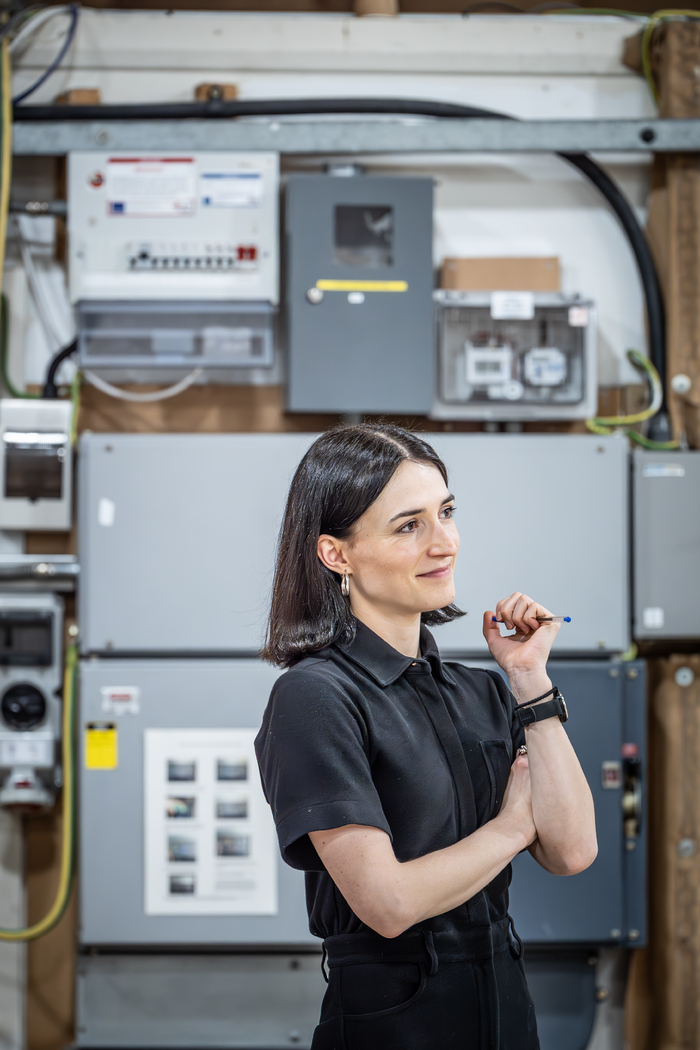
(516, 810)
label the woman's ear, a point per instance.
(332, 553)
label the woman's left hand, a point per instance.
(527, 650)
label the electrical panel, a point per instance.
(359, 293)
(36, 464)
(178, 836)
(161, 534)
(31, 660)
(666, 544)
(515, 356)
(173, 258)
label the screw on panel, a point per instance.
(315, 296)
(615, 934)
(293, 964)
(630, 845)
(602, 994)
(633, 935)
(647, 134)
(601, 448)
(686, 848)
(613, 672)
(294, 1036)
(632, 674)
(684, 676)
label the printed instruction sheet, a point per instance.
(210, 843)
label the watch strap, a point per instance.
(557, 706)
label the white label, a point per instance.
(120, 699)
(512, 306)
(653, 617)
(151, 186)
(210, 843)
(578, 316)
(24, 752)
(106, 510)
(663, 470)
(231, 189)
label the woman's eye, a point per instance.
(449, 511)
(410, 526)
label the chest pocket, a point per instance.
(497, 761)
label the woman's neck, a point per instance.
(402, 634)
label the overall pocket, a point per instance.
(497, 761)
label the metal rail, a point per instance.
(353, 136)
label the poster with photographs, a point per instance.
(210, 846)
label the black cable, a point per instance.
(74, 12)
(218, 109)
(50, 390)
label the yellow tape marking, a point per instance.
(101, 750)
(362, 286)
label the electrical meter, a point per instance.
(173, 258)
(31, 631)
(515, 356)
(36, 464)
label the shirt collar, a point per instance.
(385, 663)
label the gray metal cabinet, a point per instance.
(666, 544)
(196, 694)
(546, 515)
(607, 902)
(177, 537)
(359, 294)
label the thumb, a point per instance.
(490, 627)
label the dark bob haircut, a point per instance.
(338, 479)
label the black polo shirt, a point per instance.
(360, 734)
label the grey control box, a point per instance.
(359, 294)
(666, 544)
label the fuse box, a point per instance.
(174, 258)
(36, 464)
(515, 356)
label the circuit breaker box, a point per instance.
(359, 293)
(666, 544)
(173, 258)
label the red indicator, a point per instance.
(247, 253)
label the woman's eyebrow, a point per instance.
(421, 510)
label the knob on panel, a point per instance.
(23, 706)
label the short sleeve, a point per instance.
(313, 765)
(517, 733)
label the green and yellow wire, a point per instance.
(606, 424)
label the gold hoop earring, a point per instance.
(345, 585)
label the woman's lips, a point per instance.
(436, 574)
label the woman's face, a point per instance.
(401, 554)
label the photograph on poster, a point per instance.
(178, 770)
(210, 846)
(227, 770)
(181, 849)
(228, 808)
(183, 884)
(177, 807)
(230, 845)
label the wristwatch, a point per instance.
(556, 706)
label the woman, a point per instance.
(391, 774)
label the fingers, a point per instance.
(519, 611)
(490, 628)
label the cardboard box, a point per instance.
(514, 274)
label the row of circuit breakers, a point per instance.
(175, 264)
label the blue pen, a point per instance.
(543, 619)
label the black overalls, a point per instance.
(360, 734)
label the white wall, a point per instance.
(528, 66)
